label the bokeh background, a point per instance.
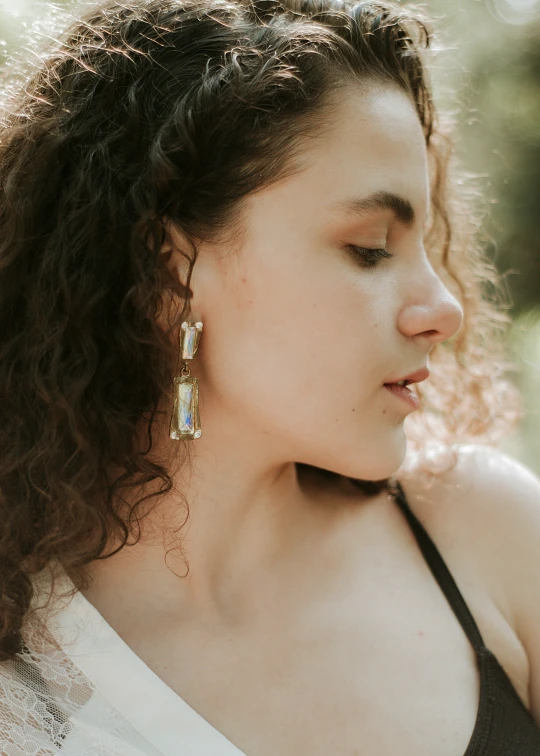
(487, 72)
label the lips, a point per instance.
(403, 393)
(416, 377)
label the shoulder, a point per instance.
(483, 512)
(488, 503)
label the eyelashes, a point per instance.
(368, 257)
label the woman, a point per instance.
(228, 233)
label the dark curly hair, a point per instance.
(147, 111)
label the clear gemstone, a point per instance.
(185, 407)
(185, 422)
(189, 342)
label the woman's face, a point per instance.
(300, 333)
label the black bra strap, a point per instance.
(441, 573)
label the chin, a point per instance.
(361, 454)
(386, 455)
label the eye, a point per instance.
(369, 258)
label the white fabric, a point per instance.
(78, 689)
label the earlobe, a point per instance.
(176, 255)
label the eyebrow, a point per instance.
(402, 208)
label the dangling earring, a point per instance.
(185, 422)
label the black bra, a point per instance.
(504, 726)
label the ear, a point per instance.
(176, 254)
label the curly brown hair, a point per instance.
(178, 109)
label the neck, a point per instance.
(251, 515)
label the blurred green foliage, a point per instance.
(488, 74)
(486, 71)
(492, 67)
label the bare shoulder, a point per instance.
(483, 512)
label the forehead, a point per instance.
(373, 142)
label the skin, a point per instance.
(299, 338)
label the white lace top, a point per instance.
(78, 689)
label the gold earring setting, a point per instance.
(185, 421)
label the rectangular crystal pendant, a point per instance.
(190, 340)
(185, 422)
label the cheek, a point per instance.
(294, 341)
(269, 330)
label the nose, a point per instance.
(431, 311)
